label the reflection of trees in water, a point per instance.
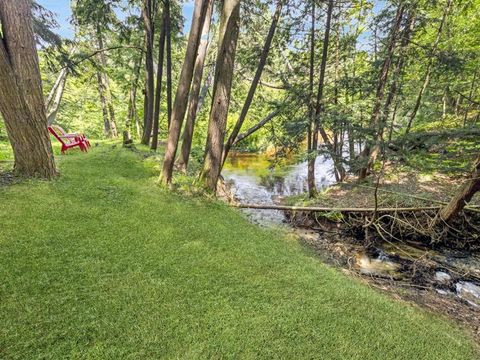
(291, 184)
(273, 183)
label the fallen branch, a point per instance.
(333, 209)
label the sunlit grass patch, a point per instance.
(101, 263)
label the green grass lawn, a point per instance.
(102, 264)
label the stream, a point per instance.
(254, 179)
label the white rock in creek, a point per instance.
(469, 292)
(442, 277)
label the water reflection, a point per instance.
(255, 179)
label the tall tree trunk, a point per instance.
(444, 102)
(256, 80)
(394, 88)
(103, 105)
(183, 89)
(158, 90)
(147, 15)
(168, 34)
(462, 196)
(21, 99)
(394, 116)
(312, 152)
(458, 102)
(368, 155)
(107, 94)
(193, 101)
(318, 128)
(227, 45)
(426, 77)
(398, 71)
(132, 116)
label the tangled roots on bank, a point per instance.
(463, 233)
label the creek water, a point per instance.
(256, 179)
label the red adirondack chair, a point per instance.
(60, 130)
(68, 141)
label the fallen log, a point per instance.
(340, 210)
(474, 208)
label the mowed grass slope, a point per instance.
(103, 264)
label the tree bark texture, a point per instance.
(193, 102)
(227, 45)
(183, 90)
(21, 98)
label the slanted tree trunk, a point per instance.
(51, 95)
(53, 103)
(368, 156)
(158, 90)
(462, 196)
(426, 77)
(193, 101)
(256, 127)
(54, 98)
(147, 13)
(256, 80)
(21, 99)
(227, 45)
(132, 116)
(183, 90)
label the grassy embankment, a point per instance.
(101, 263)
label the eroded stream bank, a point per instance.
(442, 279)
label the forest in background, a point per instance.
(364, 83)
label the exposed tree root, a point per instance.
(419, 225)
